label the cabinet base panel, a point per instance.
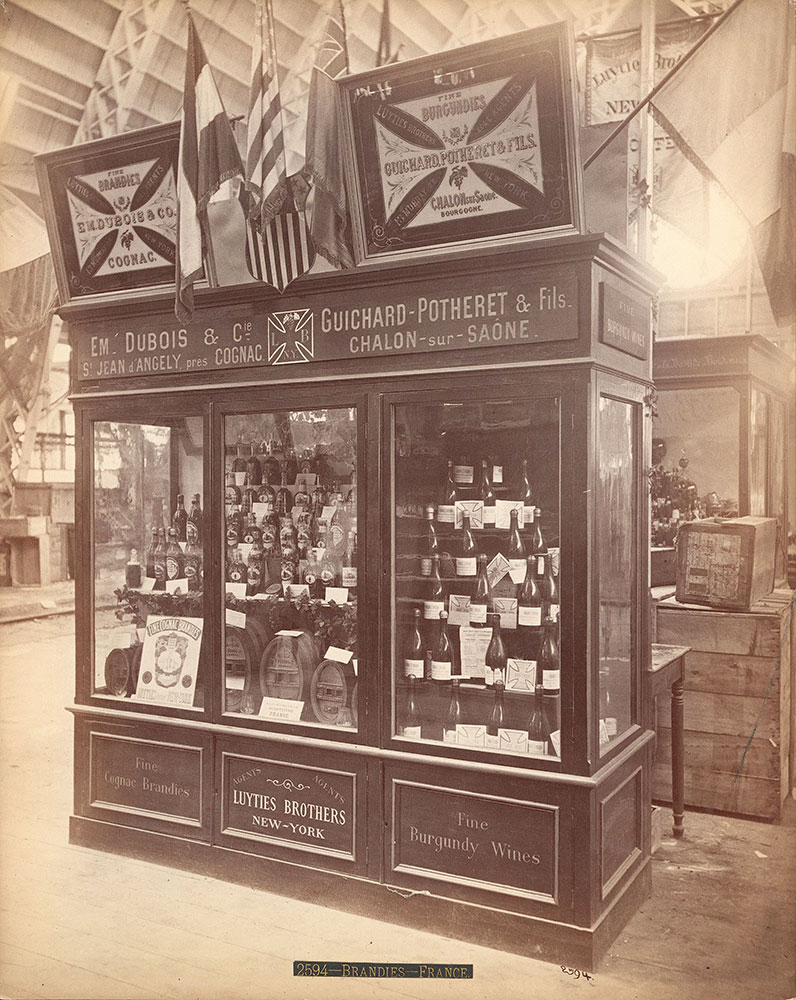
(546, 940)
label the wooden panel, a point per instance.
(747, 796)
(728, 673)
(725, 713)
(743, 634)
(620, 831)
(718, 752)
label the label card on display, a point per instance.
(506, 607)
(475, 508)
(337, 594)
(292, 632)
(497, 569)
(520, 675)
(471, 736)
(517, 570)
(503, 509)
(235, 618)
(244, 548)
(141, 633)
(326, 514)
(513, 740)
(177, 586)
(459, 610)
(260, 510)
(236, 589)
(281, 709)
(169, 660)
(147, 585)
(296, 590)
(340, 655)
(530, 616)
(473, 643)
(555, 742)
(307, 480)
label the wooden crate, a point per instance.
(738, 713)
(726, 564)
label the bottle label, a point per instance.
(492, 742)
(190, 569)
(478, 614)
(529, 616)
(551, 680)
(517, 570)
(431, 609)
(254, 575)
(248, 537)
(414, 668)
(540, 565)
(449, 735)
(537, 746)
(497, 474)
(440, 670)
(411, 731)
(191, 533)
(446, 514)
(554, 609)
(327, 575)
(463, 475)
(230, 495)
(236, 575)
(349, 576)
(160, 571)
(527, 515)
(425, 566)
(172, 569)
(610, 727)
(489, 675)
(466, 566)
(490, 515)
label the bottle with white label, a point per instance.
(442, 652)
(453, 717)
(550, 659)
(538, 544)
(415, 649)
(435, 602)
(431, 542)
(538, 726)
(348, 573)
(496, 659)
(463, 471)
(446, 512)
(467, 556)
(487, 496)
(528, 508)
(481, 602)
(515, 549)
(411, 726)
(548, 585)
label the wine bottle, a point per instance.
(254, 568)
(174, 559)
(348, 574)
(252, 531)
(411, 726)
(548, 586)
(270, 533)
(481, 602)
(193, 565)
(495, 661)
(487, 495)
(254, 471)
(453, 717)
(538, 544)
(550, 659)
(284, 498)
(527, 495)
(150, 556)
(463, 471)
(312, 576)
(415, 649)
(496, 716)
(239, 465)
(338, 528)
(529, 598)
(434, 605)
(431, 542)
(515, 549)
(291, 467)
(467, 556)
(538, 726)
(446, 512)
(132, 571)
(442, 652)
(329, 566)
(193, 529)
(232, 493)
(180, 520)
(234, 527)
(160, 561)
(236, 567)
(272, 472)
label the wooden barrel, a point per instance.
(121, 670)
(286, 666)
(242, 652)
(331, 691)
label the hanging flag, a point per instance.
(331, 224)
(208, 157)
(732, 130)
(278, 245)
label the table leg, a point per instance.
(678, 759)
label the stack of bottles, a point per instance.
(174, 552)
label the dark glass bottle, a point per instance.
(338, 528)
(193, 529)
(442, 652)
(270, 533)
(415, 649)
(160, 561)
(132, 572)
(291, 467)
(529, 612)
(239, 465)
(431, 542)
(538, 543)
(252, 531)
(234, 526)
(254, 568)
(348, 572)
(411, 726)
(193, 565)
(481, 602)
(548, 585)
(515, 549)
(232, 494)
(453, 717)
(528, 507)
(538, 726)
(435, 602)
(236, 567)
(254, 471)
(174, 557)
(550, 670)
(150, 556)
(265, 493)
(495, 661)
(467, 555)
(446, 512)
(180, 519)
(272, 472)
(487, 495)
(284, 498)
(496, 716)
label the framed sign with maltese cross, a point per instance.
(471, 146)
(290, 337)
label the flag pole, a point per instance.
(675, 69)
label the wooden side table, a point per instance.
(667, 672)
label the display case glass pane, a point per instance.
(148, 552)
(616, 546)
(695, 457)
(475, 543)
(290, 534)
(758, 454)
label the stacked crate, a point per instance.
(737, 705)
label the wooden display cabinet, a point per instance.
(223, 753)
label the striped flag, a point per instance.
(278, 245)
(208, 157)
(331, 226)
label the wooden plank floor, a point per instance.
(81, 924)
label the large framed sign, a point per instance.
(466, 146)
(111, 211)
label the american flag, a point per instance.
(278, 245)
(331, 228)
(208, 158)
